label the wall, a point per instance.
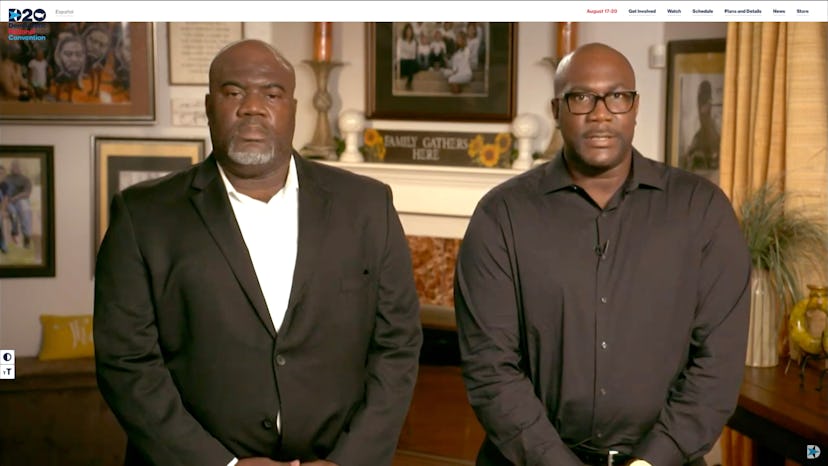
(22, 300)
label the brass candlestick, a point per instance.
(322, 145)
(566, 38)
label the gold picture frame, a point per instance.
(122, 162)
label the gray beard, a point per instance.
(251, 158)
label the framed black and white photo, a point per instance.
(441, 71)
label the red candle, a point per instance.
(567, 38)
(322, 41)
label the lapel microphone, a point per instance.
(601, 250)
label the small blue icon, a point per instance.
(14, 15)
(813, 452)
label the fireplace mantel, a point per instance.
(433, 200)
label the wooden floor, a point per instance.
(441, 428)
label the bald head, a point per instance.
(251, 109)
(251, 48)
(590, 55)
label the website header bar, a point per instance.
(527, 11)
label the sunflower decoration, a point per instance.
(374, 145)
(491, 154)
(475, 145)
(503, 141)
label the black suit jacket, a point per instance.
(186, 351)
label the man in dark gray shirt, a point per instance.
(602, 298)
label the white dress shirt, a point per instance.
(271, 232)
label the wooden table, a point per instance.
(780, 416)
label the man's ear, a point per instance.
(555, 108)
(208, 103)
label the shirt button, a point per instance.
(603, 392)
(599, 434)
(280, 360)
(603, 345)
(267, 424)
(604, 299)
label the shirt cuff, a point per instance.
(640, 463)
(658, 448)
(233, 462)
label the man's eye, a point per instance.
(581, 97)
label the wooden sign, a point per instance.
(490, 150)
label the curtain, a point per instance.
(774, 128)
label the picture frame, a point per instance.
(79, 73)
(192, 47)
(695, 93)
(27, 221)
(441, 89)
(122, 162)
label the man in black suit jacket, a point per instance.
(204, 355)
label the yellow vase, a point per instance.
(808, 325)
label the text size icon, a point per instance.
(6, 364)
(812, 452)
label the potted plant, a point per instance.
(787, 243)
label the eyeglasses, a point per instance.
(581, 103)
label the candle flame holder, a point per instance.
(322, 144)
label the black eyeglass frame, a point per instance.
(596, 98)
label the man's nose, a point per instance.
(600, 112)
(252, 104)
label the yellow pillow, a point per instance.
(66, 337)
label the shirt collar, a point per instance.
(644, 172)
(291, 182)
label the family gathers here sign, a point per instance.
(490, 150)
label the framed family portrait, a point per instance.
(441, 71)
(27, 211)
(78, 73)
(695, 93)
(123, 162)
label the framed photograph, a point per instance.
(192, 46)
(78, 73)
(27, 211)
(123, 162)
(441, 71)
(695, 92)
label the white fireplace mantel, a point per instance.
(433, 200)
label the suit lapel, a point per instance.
(210, 200)
(314, 210)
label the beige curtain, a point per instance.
(774, 128)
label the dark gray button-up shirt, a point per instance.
(623, 327)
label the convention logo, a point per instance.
(26, 16)
(812, 452)
(26, 24)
